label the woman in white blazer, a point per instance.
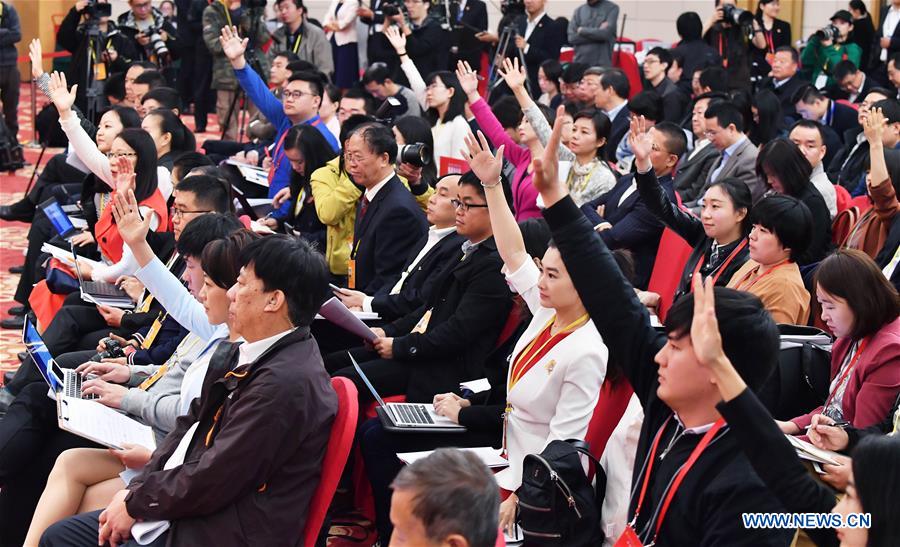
(340, 29)
(559, 363)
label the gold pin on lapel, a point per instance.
(550, 365)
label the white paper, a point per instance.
(101, 424)
(256, 175)
(335, 311)
(517, 538)
(489, 456)
(476, 386)
(66, 256)
(810, 452)
(145, 533)
(79, 223)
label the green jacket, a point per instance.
(313, 47)
(816, 58)
(214, 19)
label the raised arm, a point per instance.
(416, 83)
(507, 235)
(256, 89)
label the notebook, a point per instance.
(101, 424)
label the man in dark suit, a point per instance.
(428, 257)
(694, 168)
(853, 81)
(887, 33)
(785, 81)
(538, 37)
(621, 217)
(388, 220)
(471, 18)
(811, 104)
(611, 97)
(656, 67)
(378, 49)
(446, 340)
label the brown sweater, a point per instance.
(870, 231)
(781, 291)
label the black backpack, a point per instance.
(557, 504)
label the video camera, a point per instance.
(512, 7)
(95, 9)
(736, 15)
(829, 32)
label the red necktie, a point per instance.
(363, 207)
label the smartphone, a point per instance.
(334, 287)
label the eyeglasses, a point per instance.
(141, 6)
(117, 155)
(466, 206)
(436, 86)
(294, 94)
(179, 213)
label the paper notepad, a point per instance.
(810, 452)
(101, 424)
(256, 175)
(66, 256)
(489, 456)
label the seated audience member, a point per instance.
(30, 439)
(549, 74)
(307, 150)
(170, 136)
(302, 97)
(388, 221)
(676, 393)
(280, 287)
(620, 216)
(656, 67)
(590, 176)
(693, 169)
(524, 196)
(712, 79)
(782, 230)
(870, 478)
(331, 100)
(259, 128)
(737, 159)
(445, 341)
(570, 82)
(161, 97)
(767, 121)
(860, 307)
(85, 479)
(448, 498)
(811, 104)
(611, 96)
(847, 167)
(424, 264)
(441, 98)
(378, 82)
(893, 74)
(355, 101)
(677, 75)
(810, 137)
(143, 84)
(874, 227)
(822, 54)
(648, 105)
(853, 81)
(784, 80)
(784, 170)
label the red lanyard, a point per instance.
(770, 40)
(843, 378)
(740, 284)
(718, 271)
(277, 162)
(679, 477)
(722, 50)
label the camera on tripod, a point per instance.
(95, 9)
(736, 15)
(417, 154)
(827, 33)
(512, 7)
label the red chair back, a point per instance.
(844, 200)
(843, 222)
(845, 102)
(336, 453)
(629, 65)
(611, 405)
(671, 257)
(863, 203)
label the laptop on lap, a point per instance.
(63, 381)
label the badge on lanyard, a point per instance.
(153, 332)
(422, 325)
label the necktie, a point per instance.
(363, 207)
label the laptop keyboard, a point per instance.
(413, 414)
(103, 289)
(73, 386)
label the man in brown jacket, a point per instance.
(242, 466)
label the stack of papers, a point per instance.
(810, 452)
(256, 175)
(491, 457)
(101, 424)
(65, 256)
(335, 311)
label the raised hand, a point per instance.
(873, 125)
(123, 179)
(233, 46)
(132, 227)
(35, 54)
(640, 142)
(396, 38)
(705, 337)
(484, 164)
(545, 169)
(468, 79)
(513, 74)
(60, 94)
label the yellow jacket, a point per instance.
(336, 198)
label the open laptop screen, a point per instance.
(41, 356)
(58, 218)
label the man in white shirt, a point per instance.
(539, 38)
(809, 137)
(888, 30)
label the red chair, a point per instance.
(844, 200)
(845, 102)
(614, 398)
(671, 257)
(863, 203)
(629, 65)
(336, 453)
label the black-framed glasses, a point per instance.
(178, 213)
(294, 94)
(466, 206)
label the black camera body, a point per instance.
(156, 42)
(736, 15)
(96, 10)
(417, 154)
(390, 8)
(113, 350)
(513, 7)
(255, 4)
(829, 32)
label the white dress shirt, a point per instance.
(823, 184)
(532, 24)
(373, 191)
(888, 27)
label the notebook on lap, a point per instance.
(408, 417)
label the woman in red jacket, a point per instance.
(860, 307)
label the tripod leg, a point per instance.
(36, 165)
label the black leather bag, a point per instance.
(557, 504)
(801, 379)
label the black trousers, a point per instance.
(388, 377)
(50, 183)
(9, 96)
(82, 530)
(204, 97)
(379, 451)
(30, 442)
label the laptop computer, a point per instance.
(408, 417)
(99, 292)
(59, 219)
(63, 381)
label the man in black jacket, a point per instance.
(445, 341)
(612, 98)
(427, 44)
(656, 68)
(539, 37)
(694, 168)
(10, 34)
(470, 20)
(785, 81)
(675, 390)
(388, 220)
(154, 37)
(813, 105)
(427, 259)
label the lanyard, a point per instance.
(846, 373)
(770, 41)
(740, 284)
(526, 358)
(721, 268)
(296, 41)
(722, 49)
(277, 163)
(679, 477)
